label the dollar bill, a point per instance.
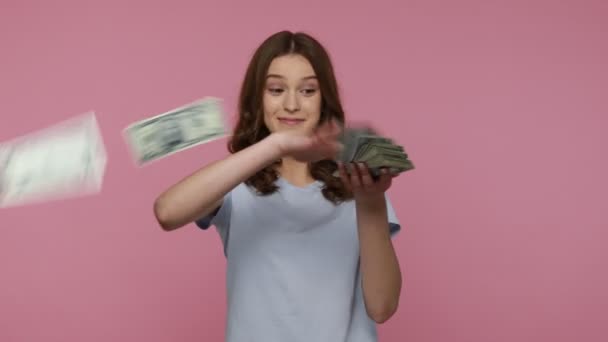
(65, 160)
(363, 144)
(157, 137)
(349, 139)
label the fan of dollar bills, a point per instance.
(362, 144)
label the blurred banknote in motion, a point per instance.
(362, 144)
(198, 122)
(65, 160)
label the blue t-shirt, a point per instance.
(292, 266)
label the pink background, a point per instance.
(502, 105)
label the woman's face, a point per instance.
(292, 98)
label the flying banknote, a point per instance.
(65, 160)
(174, 131)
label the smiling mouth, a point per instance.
(290, 121)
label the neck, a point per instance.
(295, 172)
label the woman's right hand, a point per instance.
(320, 144)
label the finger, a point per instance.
(321, 135)
(335, 128)
(324, 136)
(313, 141)
(326, 145)
(366, 177)
(337, 147)
(331, 128)
(355, 179)
(391, 174)
(331, 150)
(329, 146)
(344, 176)
(328, 134)
(385, 177)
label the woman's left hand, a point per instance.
(361, 183)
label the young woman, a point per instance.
(309, 254)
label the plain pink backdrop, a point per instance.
(502, 105)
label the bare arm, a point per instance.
(202, 192)
(380, 271)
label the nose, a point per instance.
(291, 103)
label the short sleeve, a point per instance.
(220, 218)
(393, 221)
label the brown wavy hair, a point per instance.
(251, 128)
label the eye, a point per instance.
(275, 90)
(309, 91)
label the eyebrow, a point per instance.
(312, 77)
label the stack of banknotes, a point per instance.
(363, 145)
